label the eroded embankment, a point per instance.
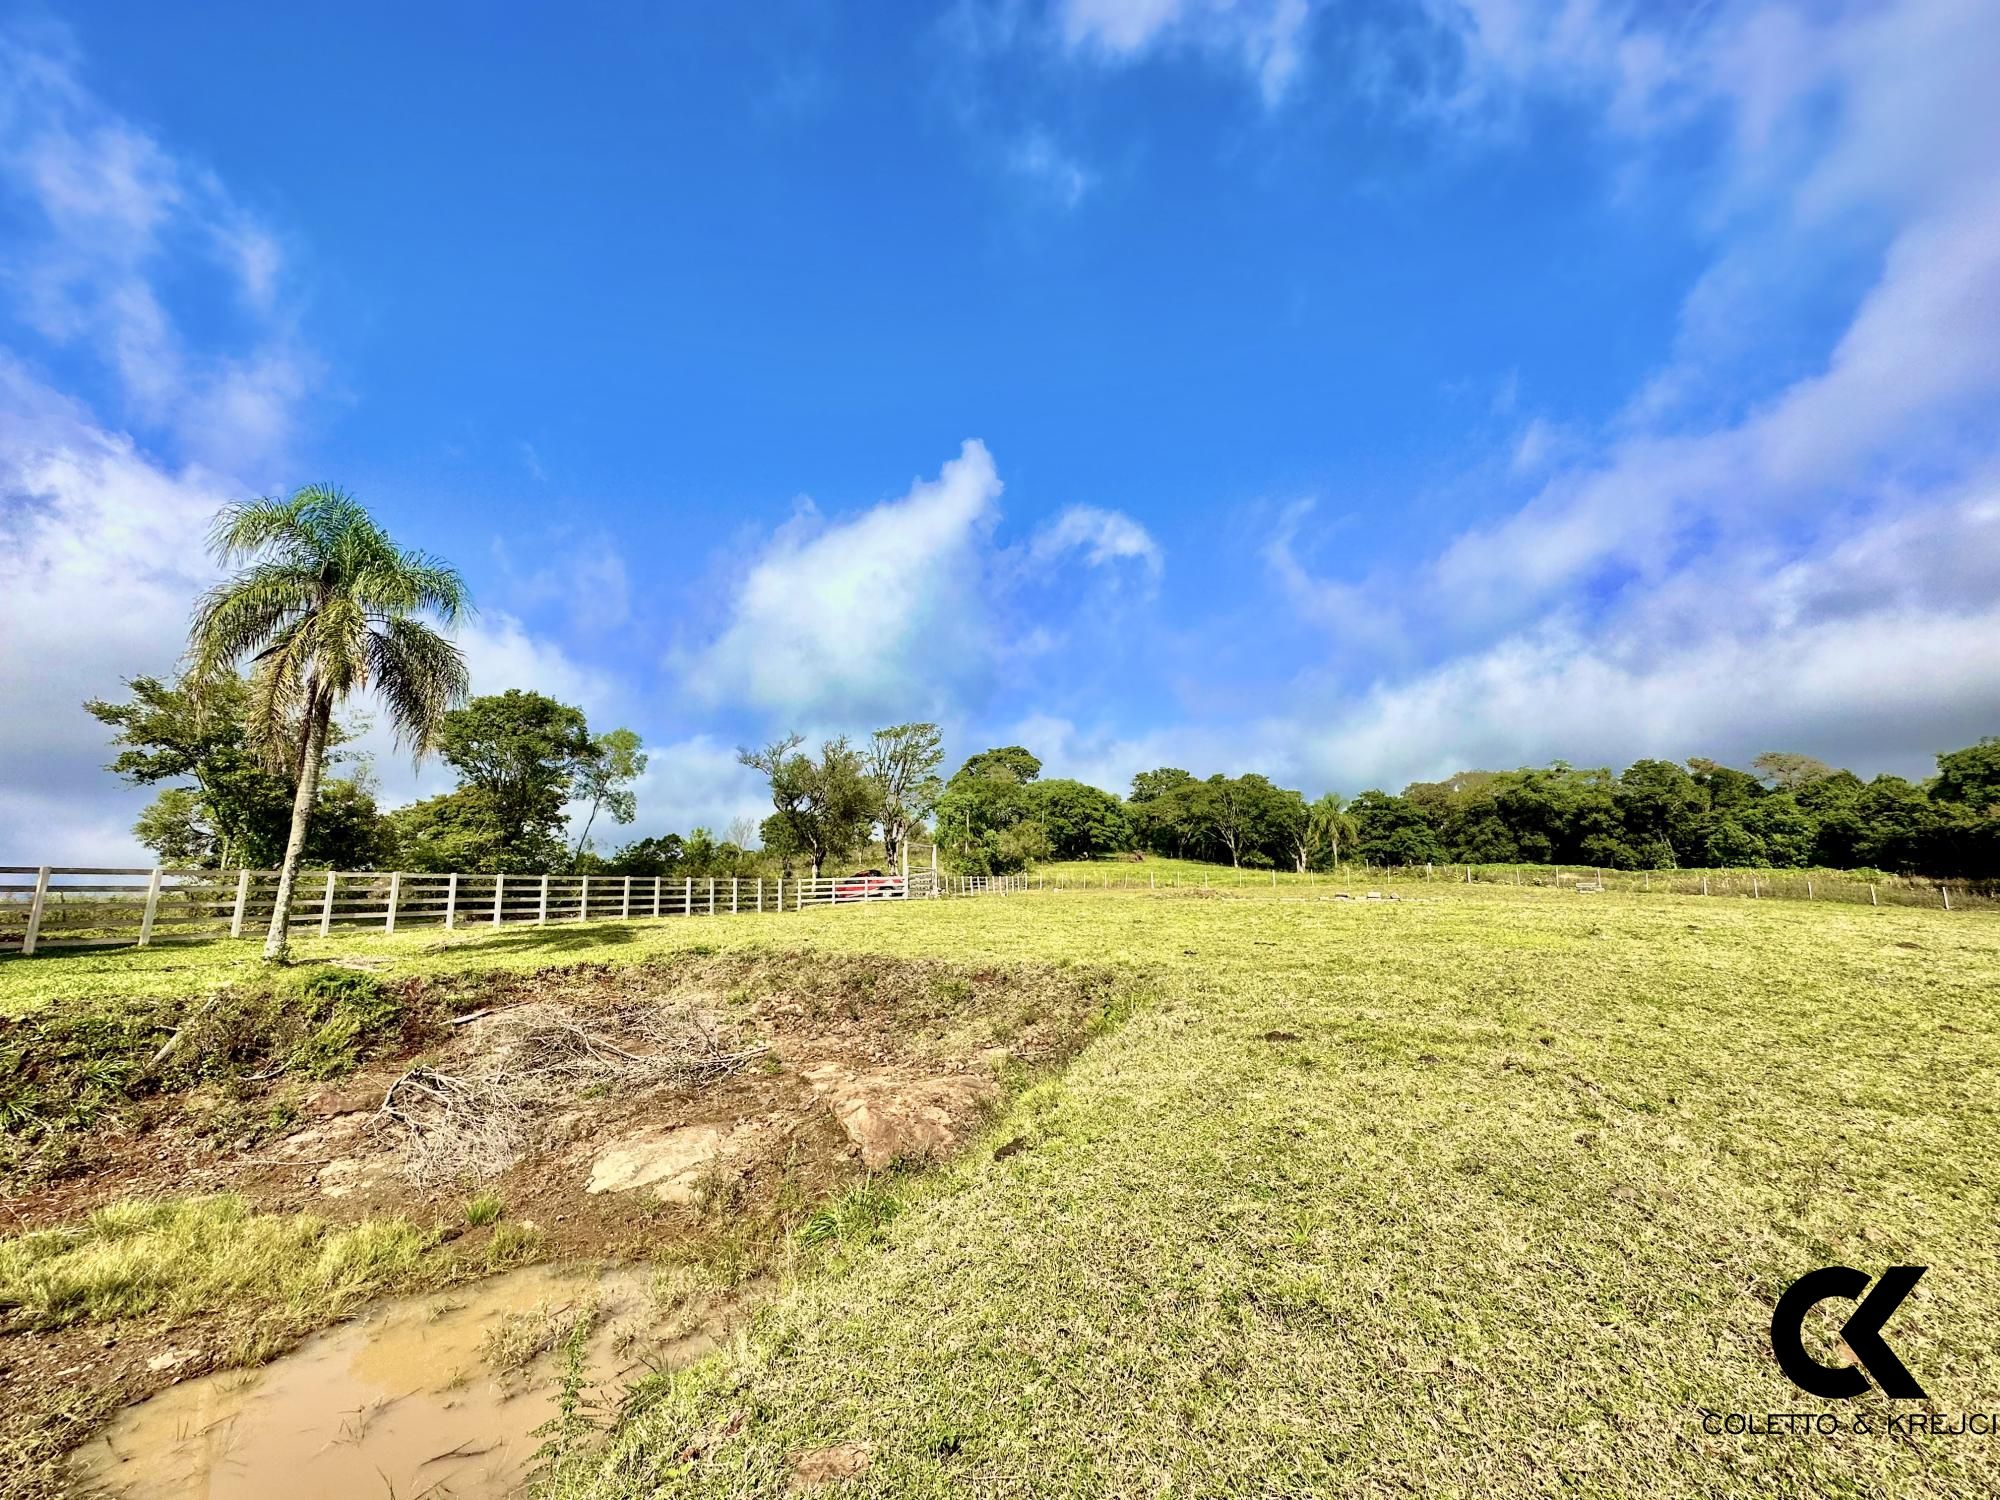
(697, 1115)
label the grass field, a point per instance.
(1475, 1192)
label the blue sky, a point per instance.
(1355, 392)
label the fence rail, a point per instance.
(53, 906)
(56, 906)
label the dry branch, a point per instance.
(473, 1126)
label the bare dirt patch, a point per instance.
(692, 1111)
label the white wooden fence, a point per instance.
(46, 907)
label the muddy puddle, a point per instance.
(434, 1396)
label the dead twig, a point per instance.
(474, 1126)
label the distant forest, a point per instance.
(1786, 812)
(536, 782)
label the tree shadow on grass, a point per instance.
(542, 940)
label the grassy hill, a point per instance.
(1479, 1191)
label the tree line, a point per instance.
(323, 605)
(1788, 811)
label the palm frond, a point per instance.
(236, 618)
(325, 606)
(279, 697)
(419, 675)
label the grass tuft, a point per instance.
(187, 1257)
(514, 1243)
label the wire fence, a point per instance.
(1869, 888)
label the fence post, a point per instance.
(1871, 895)
(152, 908)
(625, 901)
(781, 894)
(1809, 889)
(1704, 885)
(499, 889)
(242, 895)
(451, 901)
(1945, 892)
(583, 906)
(711, 895)
(656, 895)
(35, 909)
(395, 891)
(734, 881)
(687, 897)
(326, 907)
(760, 893)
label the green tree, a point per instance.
(1246, 815)
(1168, 808)
(1726, 786)
(1661, 807)
(1970, 777)
(521, 753)
(239, 810)
(1006, 763)
(1392, 831)
(178, 827)
(605, 778)
(1563, 815)
(649, 856)
(1079, 821)
(1150, 786)
(1788, 771)
(1900, 823)
(464, 830)
(823, 807)
(1786, 830)
(1330, 828)
(987, 821)
(326, 605)
(902, 761)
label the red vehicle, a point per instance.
(868, 885)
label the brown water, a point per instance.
(404, 1402)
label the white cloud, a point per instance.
(1103, 537)
(583, 575)
(100, 556)
(880, 613)
(117, 220)
(1266, 37)
(101, 534)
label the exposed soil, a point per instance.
(836, 1067)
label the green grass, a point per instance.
(1503, 1219)
(482, 1209)
(185, 1258)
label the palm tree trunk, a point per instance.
(320, 710)
(585, 838)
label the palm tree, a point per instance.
(325, 605)
(1331, 822)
